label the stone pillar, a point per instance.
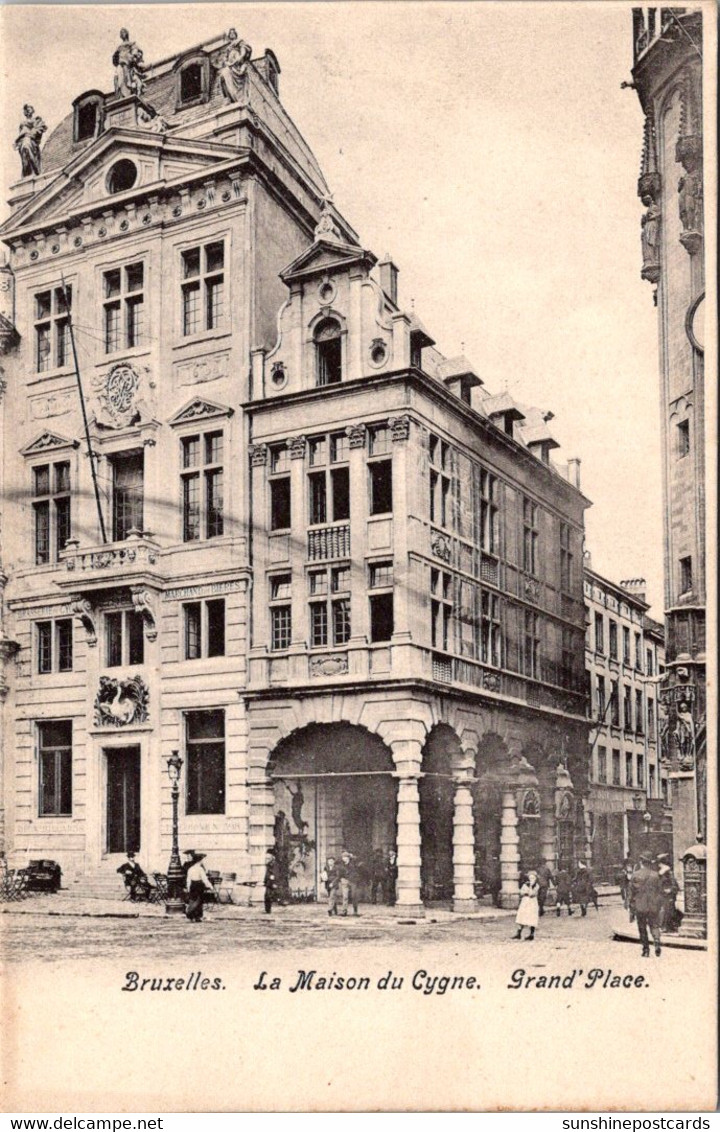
(463, 847)
(548, 838)
(407, 754)
(260, 833)
(509, 851)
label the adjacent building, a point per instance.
(668, 77)
(254, 515)
(625, 661)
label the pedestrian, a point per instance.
(329, 877)
(135, 879)
(492, 878)
(582, 888)
(378, 876)
(528, 911)
(270, 881)
(545, 879)
(623, 878)
(646, 902)
(348, 879)
(563, 892)
(391, 872)
(670, 915)
(198, 883)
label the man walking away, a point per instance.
(271, 881)
(564, 895)
(544, 878)
(646, 901)
(582, 888)
(347, 874)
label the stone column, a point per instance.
(407, 755)
(260, 833)
(509, 851)
(547, 830)
(463, 847)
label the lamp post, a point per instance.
(174, 902)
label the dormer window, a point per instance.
(193, 82)
(328, 352)
(88, 114)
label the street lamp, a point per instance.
(175, 877)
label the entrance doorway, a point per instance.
(123, 799)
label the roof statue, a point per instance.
(233, 65)
(128, 63)
(27, 143)
(325, 228)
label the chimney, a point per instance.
(587, 560)
(389, 279)
(574, 471)
(635, 586)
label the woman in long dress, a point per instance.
(234, 65)
(528, 911)
(197, 882)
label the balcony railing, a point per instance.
(111, 561)
(329, 542)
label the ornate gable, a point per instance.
(200, 409)
(46, 442)
(327, 255)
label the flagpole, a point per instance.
(90, 453)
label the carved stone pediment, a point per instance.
(47, 441)
(200, 409)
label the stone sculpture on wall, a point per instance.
(233, 66)
(127, 61)
(120, 703)
(27, 143)
(650, 239)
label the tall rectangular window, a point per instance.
(686, 575)
(602, 764)
(55, 765)
(280, 514)
(329, 606)
(615, 703)
(651, 718)
(530, 536)
(638, 652)
(52, 329)
(626, 645)
(329, 481)
(204, 629)
(639, 712)
(51, 510)
(566, 559)
(616, 768)
(613, 639)
(599, 633)
(123, 307)
(54, 645)
(627, 708)
(683, 439)
(532, 645)
(440, 482)
(488, 517)
(202, 480)
(600, 697)
(649, 662)
(381, 617)
(381, 497)
(124, 638)
(629, 775)
(440, 609)
(490, 629)
(205, 750)
(280, 611)
(128, 494)
(203, 288)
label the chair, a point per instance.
(225, 888)
(159, 891)
(215, 878)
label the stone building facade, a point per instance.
(625, 662)
(668, 77)
(271, 527)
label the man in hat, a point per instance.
(646, 901)
(670, 917)
(270, 881)
(197, 882)
(348, 882)
(136, 882)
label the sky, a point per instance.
(489, 148)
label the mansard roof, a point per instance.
(160, 92)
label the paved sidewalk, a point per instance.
(71, 904)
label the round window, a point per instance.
(378, 353)
(123, 175)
